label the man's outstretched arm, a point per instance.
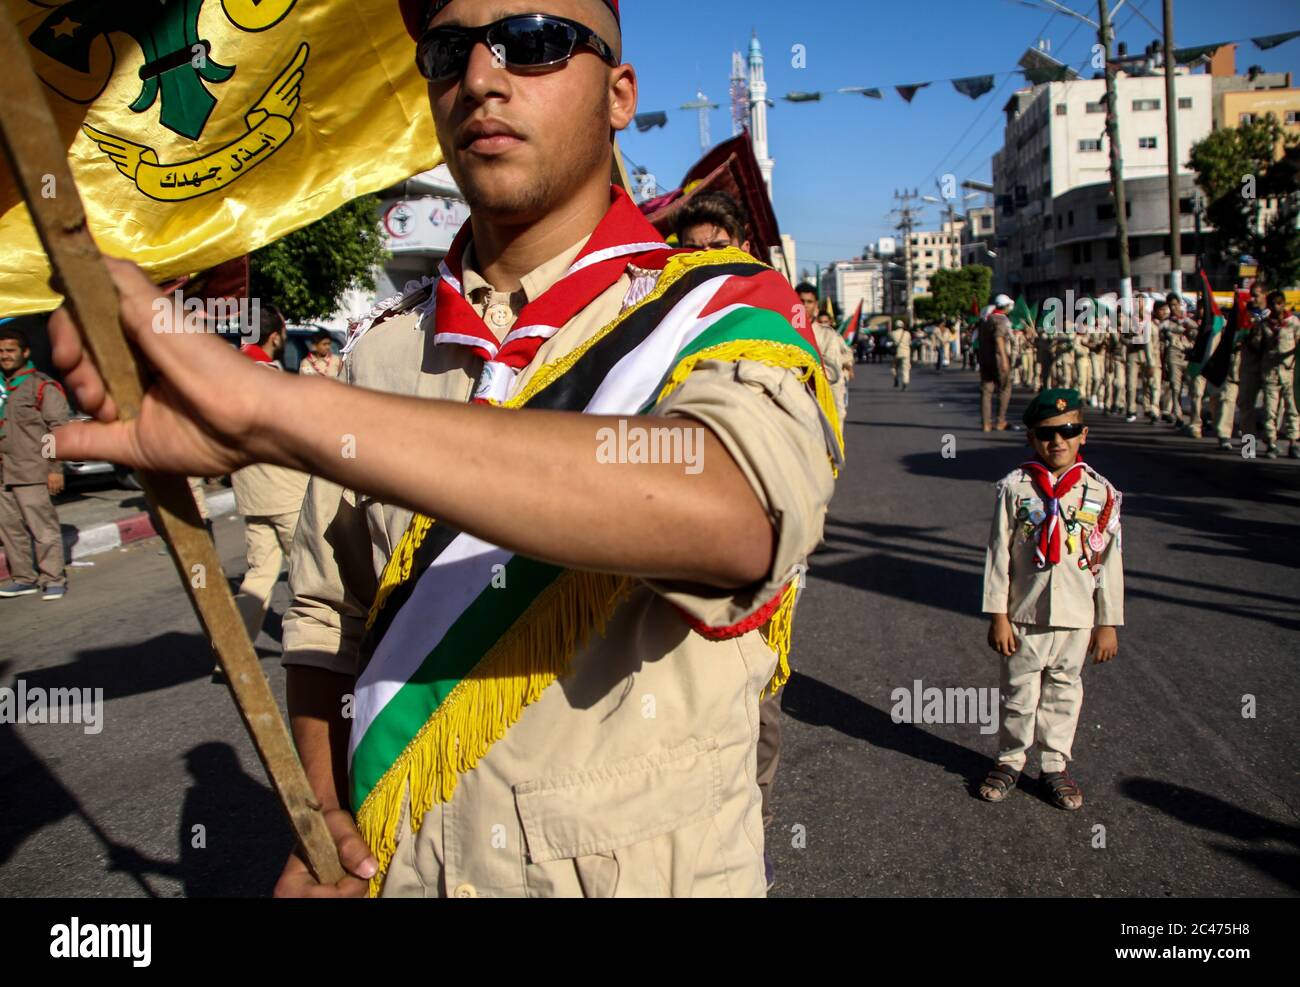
(530, 481)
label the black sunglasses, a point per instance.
(1045, 433)
(524, 41)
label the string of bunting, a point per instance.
(975, 86)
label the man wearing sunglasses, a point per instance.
(530, 634)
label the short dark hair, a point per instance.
(715, 209)
(16, 334)
(804, 288)
(1276, 296)
(323, 334)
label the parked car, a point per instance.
(298, 343)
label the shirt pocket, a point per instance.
(639, 827)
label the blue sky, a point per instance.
(839, 161)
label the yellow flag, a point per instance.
(198, 130)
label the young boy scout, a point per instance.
(902, 340)
(1278, 370)
(1054, 590)
(522, 659)
(31, 405)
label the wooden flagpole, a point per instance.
(36, 154)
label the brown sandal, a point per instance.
(998, 783)
(1063, 787)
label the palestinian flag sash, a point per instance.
(464, 634)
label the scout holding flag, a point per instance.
(524, 666)
(1054, 590)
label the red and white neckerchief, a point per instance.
(623, 236)
(1048, 549)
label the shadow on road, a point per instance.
(815, 703)
(233, 840)
(1211, 813)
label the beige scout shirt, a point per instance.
(902, 340)
(635, 773)
(1061, 595)
(312, 365)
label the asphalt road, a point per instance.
(1191, 797)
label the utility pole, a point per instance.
(1171, 137)
(906, 222)
(1106, 37)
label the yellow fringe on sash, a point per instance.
(531, 655)
(777, 632)
(397, 569)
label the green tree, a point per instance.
(953, 289)
(925, 310)
(306, 273)
(1234, 167)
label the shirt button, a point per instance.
(465, 891)
(499, 316)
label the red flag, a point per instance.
(974, 306)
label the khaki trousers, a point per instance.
(27, 520)
(268, 540)
(1279, 391)
(991, 383)
(903, 370)
(769, 751)
(1240, 390)
(1042, 693)
(1177, 378)
(1141, 375)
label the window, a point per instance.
(1059, 221)
(1076, 254)
(1087, 253)
(1148, 143)
(1105, 210)
(1070, 221)
(1097, 107)
(1089, 145)
(1184, 102)
(1060, 109)
(1112, 250)
(1145, 104)
(1245, 119)
(986, 222)
(1186, 206)
(1292, 117)
(1026, 260)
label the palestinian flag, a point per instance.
(464, 634)
(1203, 357)
(849, 327)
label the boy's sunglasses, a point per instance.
(1045, 433)
(524, 41)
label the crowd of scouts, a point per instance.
(1145, 374)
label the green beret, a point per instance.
(1050, 403)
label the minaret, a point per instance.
(758, 111)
